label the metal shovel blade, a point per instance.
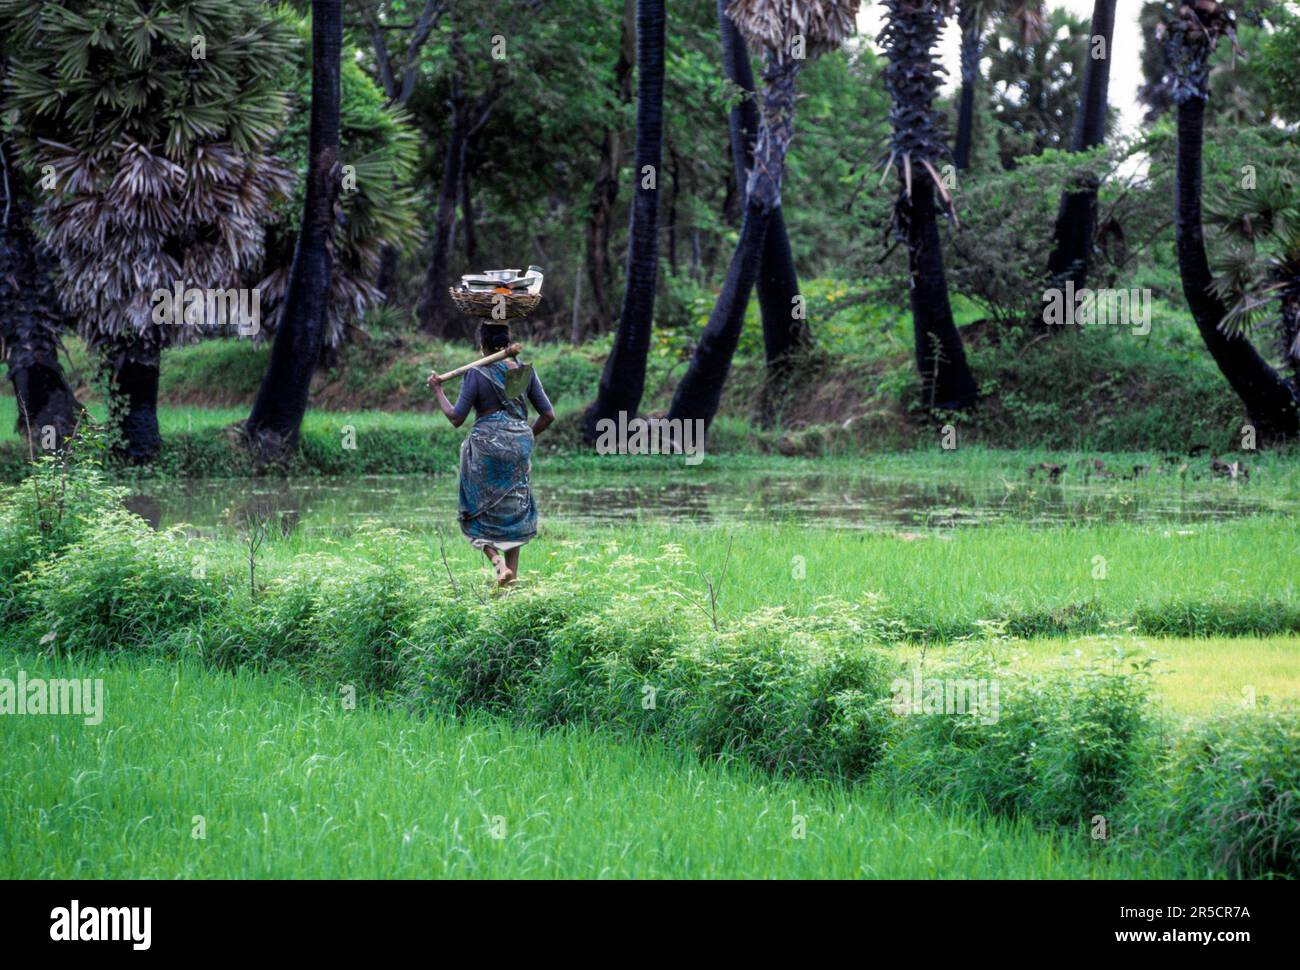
(517, 379)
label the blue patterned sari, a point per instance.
(496, 495)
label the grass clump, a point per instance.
(120, 586)
(1232, 789)
(1062, 746)
(51, 510)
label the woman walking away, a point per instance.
(497, 511)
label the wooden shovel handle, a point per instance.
(514, 350)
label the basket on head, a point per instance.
(475, 303)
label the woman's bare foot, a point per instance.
(505, 575)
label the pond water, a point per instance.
(699, 497)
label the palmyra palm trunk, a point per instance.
(133, 371)
(946, 379)
(699, 394)
(604, 193)
(45, 398)
(912, 78)
(29, 320)
(273, 426)
(622, 382)
(1076, 220)
(1269, 402)
(785, 332)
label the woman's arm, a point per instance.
(452, 411)
(542, 404)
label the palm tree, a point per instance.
(1035, 88)
(1260, 273)
(785, 333)
(787, 32)
(272, 427)
(1077, 218)
(622, 382)
(1236, 100)
(912, 77)
(1190, 37)
(30, 318)
(973, 17)
(378, 209)
(155, 137)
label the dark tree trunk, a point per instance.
(622, 382)
(732, 211)
(785, 329)
(600, 222)
(1291, 329)
(972, 27)
(1077, 217)
(386, 281)
(281, 403)
(133, 388)
(45, 398)
(674, 174)
(30, 320)
(438, 315)
(946, 380)
(700, 391)
(600, 271)
(1269, 401)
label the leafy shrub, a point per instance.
(361, 621)
(485, 655)
(604, 666)
(1062, 747)
(1232, 788)
(120, 586)
(783, 697)
(40, 518)
(275, 630)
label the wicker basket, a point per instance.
(476, 304)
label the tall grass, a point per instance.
(634, 646)
(287, 783)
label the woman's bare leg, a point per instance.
(504, 573)
(512, 562)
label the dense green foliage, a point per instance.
(377, 203)
(148, 131)
(810, 693)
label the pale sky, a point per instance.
(1125, 69)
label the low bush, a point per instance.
(605, 666)
(361, 622)
(120, 586)
(1060, 747)
(783, 697)
(1232, 787)
(486, 655)
(49, 511)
